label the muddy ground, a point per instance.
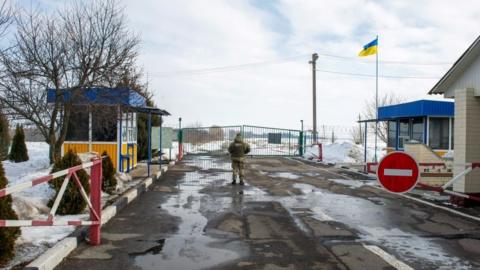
(290, 215)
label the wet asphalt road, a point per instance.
(290, 215)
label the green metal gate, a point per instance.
(264, 141)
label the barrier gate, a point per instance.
(264, 141)
(70, 174)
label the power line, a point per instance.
(226, 68)
(372, 75)
(245, 66)
(395, 62)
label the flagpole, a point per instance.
(376, 103)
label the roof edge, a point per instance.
(436, 89)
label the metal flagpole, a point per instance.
(376, 103)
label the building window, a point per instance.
(417, 129)
(438, 133)
(129, 127)
(104, 123)
(78, 124)
(453, 131)
(404, 132)
(392, 134)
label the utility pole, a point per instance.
(314, 84)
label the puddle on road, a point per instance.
(190, 247)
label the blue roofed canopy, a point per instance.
(419, 108)
(107, 96)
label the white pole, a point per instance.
(376, 103)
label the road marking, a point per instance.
(390, 259)
(397, 172)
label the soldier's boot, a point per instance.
(241, 181)
(234, 180)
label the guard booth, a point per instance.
(105, 119)
(429, 122)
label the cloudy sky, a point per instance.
(246, 62)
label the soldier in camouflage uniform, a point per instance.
(237, 149)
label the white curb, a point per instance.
(55, 255)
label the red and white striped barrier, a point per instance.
(443, 189)
(94, 202)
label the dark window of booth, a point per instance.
(438, 133)
(104, 124)
(78, 124)
(392, 134)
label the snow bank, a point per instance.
(341, 152)
(32, 201)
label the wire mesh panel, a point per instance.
(265, 141)
(209, 140)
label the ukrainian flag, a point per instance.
(370, 48)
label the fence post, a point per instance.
(96, 200)
(300, 143)
(180, 144)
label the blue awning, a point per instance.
(419, 108)
(106, 96)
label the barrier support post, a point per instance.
(320, 152)
(95, 199)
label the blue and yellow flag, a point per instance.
(370, 48)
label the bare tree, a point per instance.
(370, 112)
(81, 46)
(356, 133)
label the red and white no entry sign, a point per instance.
(398, 172)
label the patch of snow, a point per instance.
(32, 201)
(347, 182)
(342, 152)
(287, 175)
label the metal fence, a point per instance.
(263, 141)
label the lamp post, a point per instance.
(314, 89)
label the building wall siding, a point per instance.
(469, 79)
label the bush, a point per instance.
(4, 137)
(72, 202)
(7, 235)
(109, 182)
(18, 153)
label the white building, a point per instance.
(462, 82)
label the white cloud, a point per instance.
(186, 35)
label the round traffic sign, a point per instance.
(398, 172)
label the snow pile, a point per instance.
(338, 152)
(203, 148)
(32, 201)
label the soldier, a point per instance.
(237, 149)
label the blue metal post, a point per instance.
(425, 119)
(397, 134)
(120, 166)
(149, 142)
(160, 145)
